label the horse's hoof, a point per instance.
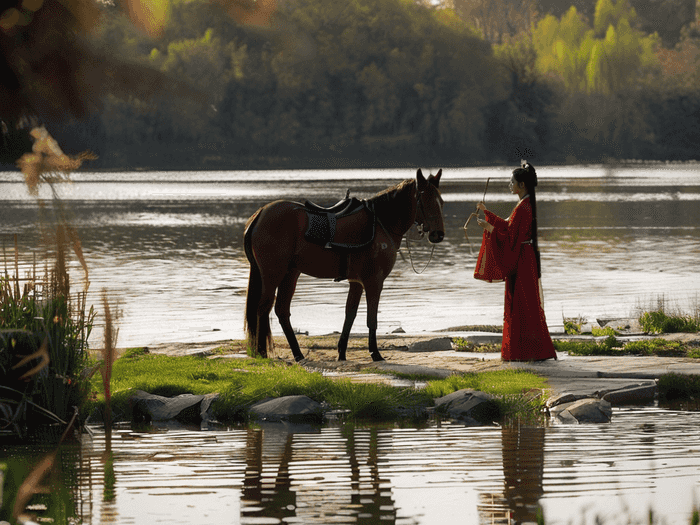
(299, 357)
(376, 356)
(341, 357)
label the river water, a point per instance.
(441, 474)
(168, 246)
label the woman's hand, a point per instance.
(485, 225)
(481, 206)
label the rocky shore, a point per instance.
(582, 389)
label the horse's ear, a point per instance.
(420, 178)
(436, 178)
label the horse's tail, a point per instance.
(250, 322)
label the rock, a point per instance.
(288, 408)
(186, 407)
(431, 345)
(562, 399)
(468, 405)
(635, 394)
(586, 410)
(622, 324)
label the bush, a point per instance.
(609, 346)
(678, 386)
(657, 322)
(604, 331)
(43, 352)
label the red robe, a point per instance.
(504, 256)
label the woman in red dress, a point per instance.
(509, 252)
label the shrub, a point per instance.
(678, 386)
(609, 346)
(43, 351)
(658, 322)
(604, 331)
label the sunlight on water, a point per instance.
(169, 246)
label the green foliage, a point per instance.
(368, 77)
(656, 347)
(678, 386)
(43, 351)
(573, 326)
(396, 81)
(607, 330)
(464, 345)
(609, 346)
(604, 59)
(658, 322)
(613, 347)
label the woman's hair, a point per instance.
(527, 175)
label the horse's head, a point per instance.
(429, 211)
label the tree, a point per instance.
(583, 60)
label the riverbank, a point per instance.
(431, 355)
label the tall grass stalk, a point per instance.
(43, 345)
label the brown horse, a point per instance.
(277, 246)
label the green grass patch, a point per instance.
(609, 346)
(657, 346)
(464, 345)
(572, 325)
(517, 392)
(658, 322)
(605, 331)
(242, 382)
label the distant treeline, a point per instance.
(395, 83)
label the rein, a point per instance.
(410, 257)
(419, 202)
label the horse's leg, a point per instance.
(351, 305)
(285, 293)
(264, 334)
(373, 291)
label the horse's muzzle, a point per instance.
(436, 236)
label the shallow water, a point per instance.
(168, 246)
(443, 474)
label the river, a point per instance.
(167, 246)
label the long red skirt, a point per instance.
(525, 333)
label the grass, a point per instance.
(665, 318)
(572, 325)
(242, 382)
(517, 392)
(43, 347)
(464, 345)
(658, 322)
(674, 387)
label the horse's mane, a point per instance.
(393, 206)
(388, 194)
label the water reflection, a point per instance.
(441, 474)
(523, 470)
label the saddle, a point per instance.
(345, 226)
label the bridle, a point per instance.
(421, 231)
